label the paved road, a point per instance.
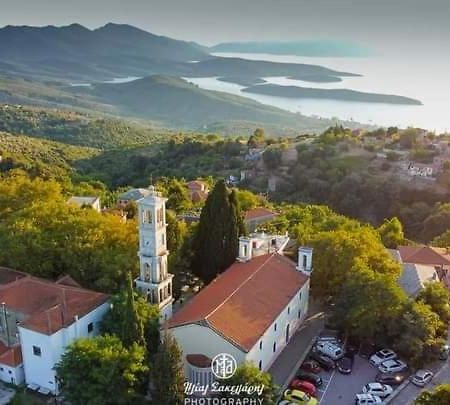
(408, 394)
(341, 389)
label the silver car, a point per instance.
(422, 377)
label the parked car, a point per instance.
(382, 355)
(422, 377)
(367, 349)
(392, 378)
(305, 386)
(310, 377)
(391, 366)
(367, 399)
(345, 365)
(299, 397)
(444, 352)
(325, 362)
(311, 366)
(286, 402)
(331, 350)
(378, 389)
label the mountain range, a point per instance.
(39, 65)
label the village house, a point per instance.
(133, 195)
(92, 202)
(38, 319)
(250, 311)
(258, 216)
(420, 169)
(198, 190)
(422, 264)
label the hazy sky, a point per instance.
(384, 23)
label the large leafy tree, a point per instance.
(102, 371)
(438, 396)
(218, 232)
(415, 333)
(248, 374)
(338, 254)
(438, 298)
(41, 234)
(167, 379)
(132, 319)
(391, 232)
(366, 302)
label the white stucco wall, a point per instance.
(289, 316)
(12, 375)
(197, 339)
(39, 369)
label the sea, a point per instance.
(411, 76)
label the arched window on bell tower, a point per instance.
(147, 216)
(147, 272)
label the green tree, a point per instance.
(217, 235)
(391, 232)
(415, 333)
(178, 197)
(272, 157)
(366, 302)
(248, 200)
(338, 253)
(257, 139)
(102, 371)
(248, 374)
(437, 296)
(408, 138)
(440, 395)
(168, 373)
(132, 319)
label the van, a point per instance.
(329, 349)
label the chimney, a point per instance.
(245, 249)
(304, 263)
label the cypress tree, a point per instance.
(133, 328)
(216, 244)
(168, 373)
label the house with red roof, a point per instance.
(422, 264)
(38, 319)
(198, 190)
(250, 311)
(258, 216)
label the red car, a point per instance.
(305, 386)
(311, 366)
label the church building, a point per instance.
(250, 311)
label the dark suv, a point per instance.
(392, 378)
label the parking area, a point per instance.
(338, 388)
(341, 389)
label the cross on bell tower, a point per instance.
(154, 281)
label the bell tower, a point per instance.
(154, 281)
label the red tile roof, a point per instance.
(259, 212)
(10, 356)
(47, 307)
(424, 255)
(198, 196)
(196, 185)
(199, 360)
(242, 303)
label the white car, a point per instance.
(378, 389)
(367, 399)
(331, 350)
(392, 366)
(382, 355)
(422, 378)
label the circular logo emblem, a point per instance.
(223, 366)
